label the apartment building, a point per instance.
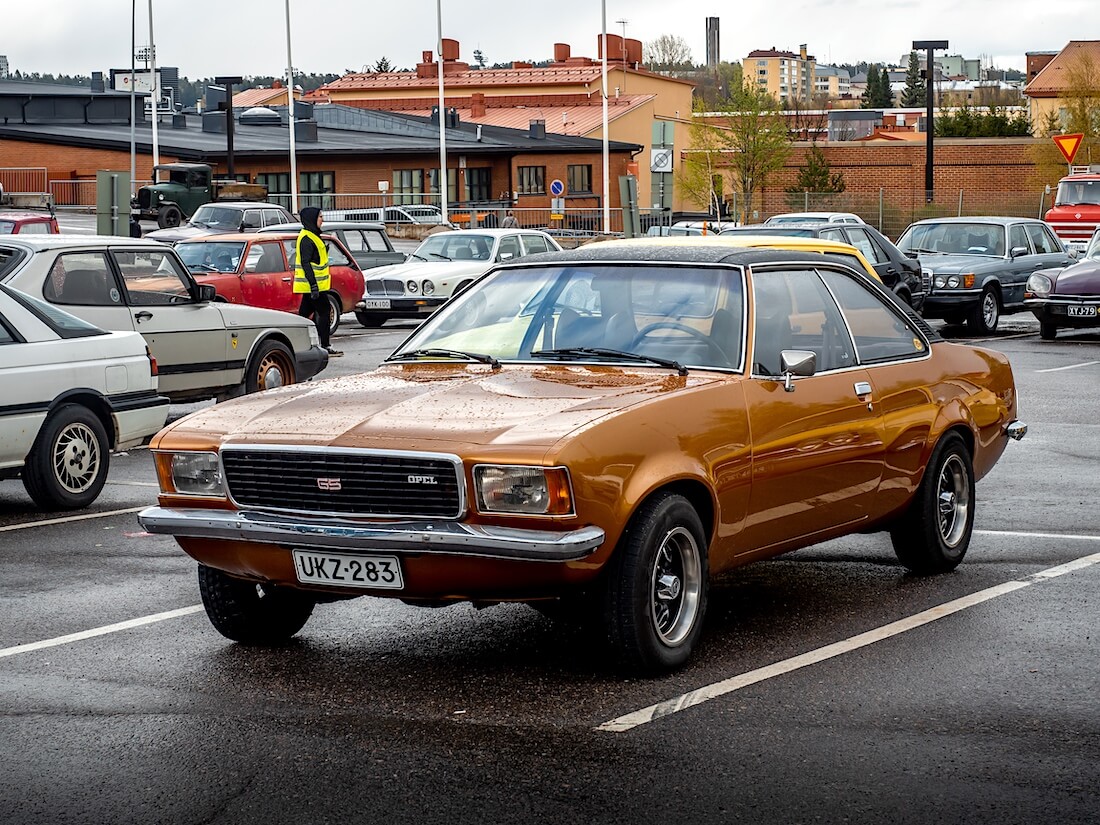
(786, 75)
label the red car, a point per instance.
(258, 270)
(25, 223)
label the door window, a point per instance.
(83, 279)
(153, 278)
(336, 256)
(509, 248)
(794, 311)
(879, 333)
(264, 258)
(354, 241)
(534, 244)
(1017, 237)
(864, 243)
(1042, 239)
(251, 219)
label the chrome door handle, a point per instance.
(862, 388)
(142, 316)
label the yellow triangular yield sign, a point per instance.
(1068, 145)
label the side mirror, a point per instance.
(1073, 253)
(798, 362)
(207, 293)
(1017, 251)
(505, 256)
(909, 253)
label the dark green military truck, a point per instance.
(181, 188)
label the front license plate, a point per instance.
(1081, 312)
(376, 303)
(346, 570)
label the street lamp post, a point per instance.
(290, 117)
(606, 161)
(133, 103)
(442, 119)
(929, 128)
(156, 93)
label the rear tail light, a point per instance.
(152, 362)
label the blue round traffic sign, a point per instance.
(557, 188)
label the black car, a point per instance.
(897, 270)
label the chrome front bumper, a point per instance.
(409, 536)
(1016, 430)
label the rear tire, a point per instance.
(67, 466)
(656, 586)
(370, 320)
(1048, 332)
(934, 534)
(251, 613)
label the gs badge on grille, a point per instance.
(330, 485)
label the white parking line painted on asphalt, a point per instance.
(1070, 367)
(26, 525)
(100, 631)
(752, 677)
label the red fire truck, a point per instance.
(1076, 210)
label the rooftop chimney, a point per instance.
(537, 130)
(477, 105)
(450, 49)
(561, 52)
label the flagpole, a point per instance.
(290, 117)
(156, 94)
(442, 119)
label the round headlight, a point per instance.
(941, 281)
(953, 282)
(1041, 285)
(412, 287)
(428, 288)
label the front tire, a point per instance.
(334, 312)
(1048, 332)
(169, 217)
(67, 466)
(656, 587)
(984, 317)
(370, 320)
(933, 536)
(271, 366)
(251, 613)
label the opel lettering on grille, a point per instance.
(329, 484)
(423, 480)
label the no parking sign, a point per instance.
(557, 188)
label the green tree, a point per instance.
(383, 65)
(870, 94)
(916, 92)
(758, 141)
(816, 177)
(479, 58)
(885, 95)
(700, 172)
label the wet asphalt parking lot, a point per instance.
(830, 686)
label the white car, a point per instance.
(205, 348)
(443, 263)
(814, 217)
(71, 393)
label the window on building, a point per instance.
(531, 180)
(278, 187)
(580, 178)
(408, 185)
(317, 189)
(433, 186)
(479, 184)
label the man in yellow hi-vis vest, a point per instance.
(311, 275)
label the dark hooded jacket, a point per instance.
(310, 255)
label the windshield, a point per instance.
(211, 257)
(954, 238)
(690, 315)
(218, 217)
(1077, 193)
(452, 246)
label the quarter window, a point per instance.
(1042, 239)
(861, 240)
(880, 334)
(534, 244)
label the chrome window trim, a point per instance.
(453, 459)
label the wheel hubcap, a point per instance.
(989, 310)
(954, 501)
(271, 374)
(675, 586)
(76, 458)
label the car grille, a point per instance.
(386, 287)
(144, 198)
(345, 482)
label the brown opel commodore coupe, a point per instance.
(594, 432)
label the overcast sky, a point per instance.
(248, 37)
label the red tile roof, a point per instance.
(560, 119)
(1055, 76)
(260, 97)
(571, 75)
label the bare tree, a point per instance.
(701, 173)
(667, 53)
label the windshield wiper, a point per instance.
(446, 353)
(568, 353)
(439, 255)
(919, 250)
